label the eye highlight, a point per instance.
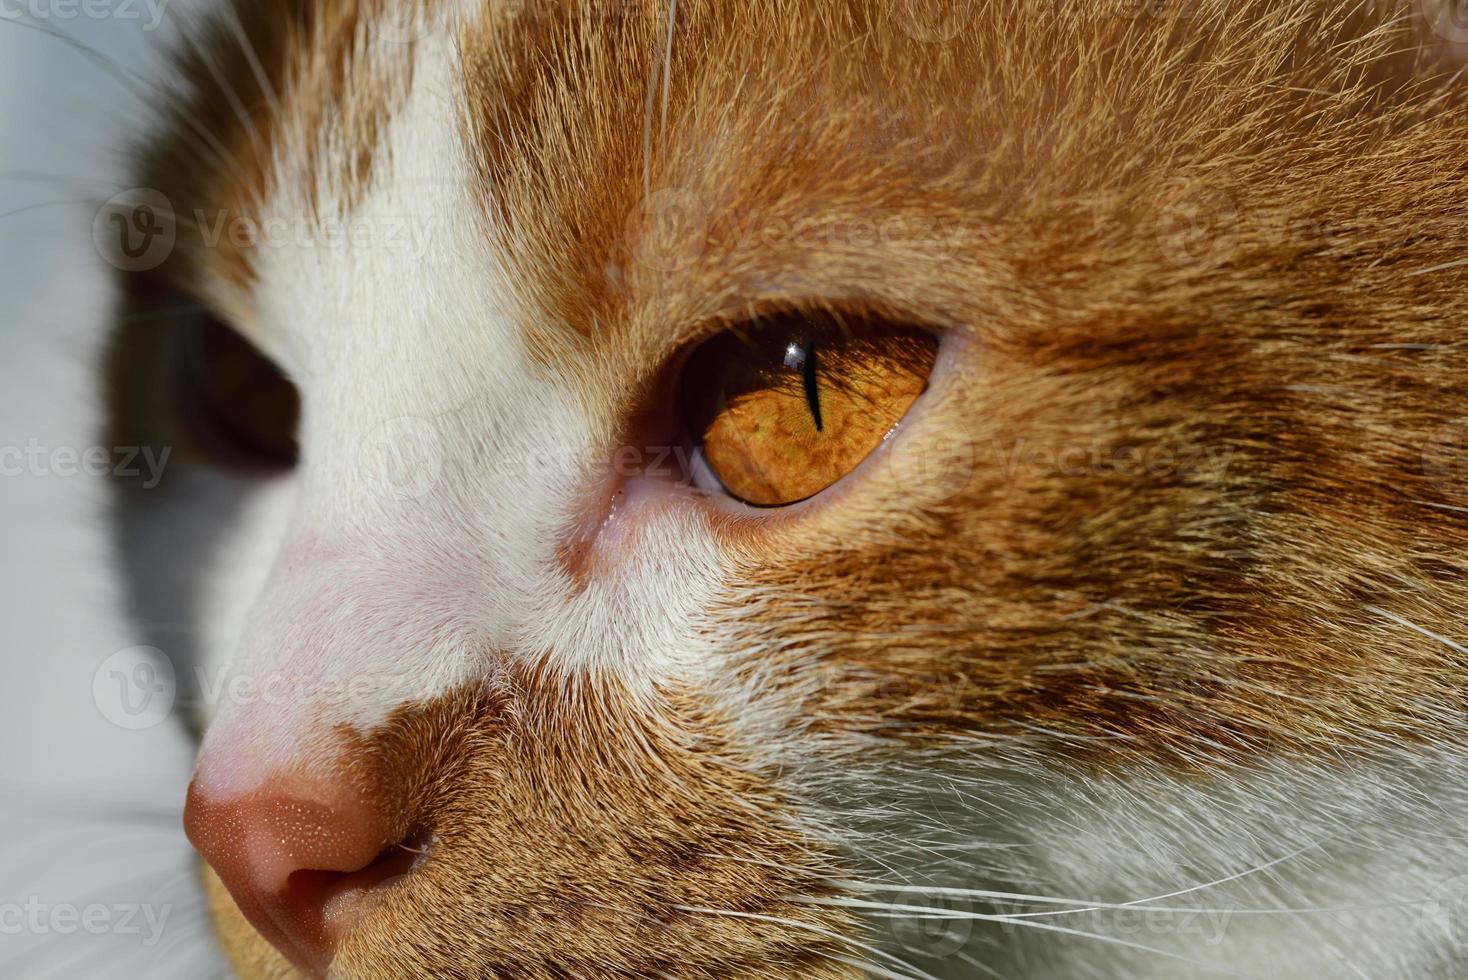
(782, 407)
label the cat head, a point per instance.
(695, 420)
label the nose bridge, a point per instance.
(290, 805)
(344, 633)
(472, 440)
(425, 526)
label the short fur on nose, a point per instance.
(299, 857)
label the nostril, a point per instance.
(302, 860)
(342, 895)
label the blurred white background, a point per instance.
(95, 875)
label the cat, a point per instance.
(820, 488)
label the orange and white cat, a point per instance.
(815, 488)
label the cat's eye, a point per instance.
(238, 407)
(782, 407)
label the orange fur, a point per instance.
(1184, 490)
(1218, 241)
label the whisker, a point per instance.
(871, 968)
(62, 180)
(44, 204)
(228, 90)
(1030, 924)
(1402, 621)
(973, 961)
(946, 892)
(119, 72)
(247, 46)
(1448, 507)
(667, 71)
(937, 912)
(144, 89)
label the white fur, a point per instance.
(440, 469)
(1291, 870)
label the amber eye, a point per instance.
(236, 406)
(784, 406)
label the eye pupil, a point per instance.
(812, 388)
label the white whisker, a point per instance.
(1401, 621)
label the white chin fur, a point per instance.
(1291, 872)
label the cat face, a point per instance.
(706, 425)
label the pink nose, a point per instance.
(299, 859)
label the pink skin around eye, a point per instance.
(611, 515)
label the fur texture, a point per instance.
(1160, 584)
